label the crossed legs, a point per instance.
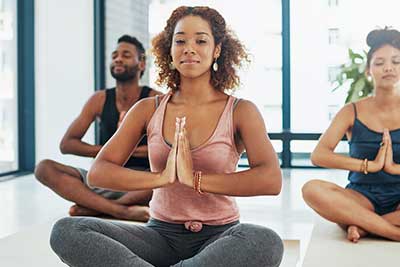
(66, 182)
(351, 210)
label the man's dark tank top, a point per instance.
(109, 123)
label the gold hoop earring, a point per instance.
(215, 65)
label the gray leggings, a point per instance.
(83, 241)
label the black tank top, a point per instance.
(109, 122)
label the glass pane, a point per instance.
(125, 17)
(260, 33)
(8, 87)
(301, 151)
(317, 49)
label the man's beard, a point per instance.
(130, 73)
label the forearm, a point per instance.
(252, 182)
(394, 169)
(77, 147)
(336, 161)
(140, 152)
(111, 176)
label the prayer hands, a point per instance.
(179, 163)
(384, 158)
(184, 157)
(379, 162)
(169, 174)
(389, 163)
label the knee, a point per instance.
(62, 235)
(42, 170)
(265, 246)
(312, 190)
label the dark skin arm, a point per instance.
(71, 142)
(107, 170)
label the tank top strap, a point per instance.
(156, 121)
(225, 124)
(355, 110)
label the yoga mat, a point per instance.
(329, 247)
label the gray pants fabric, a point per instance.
(83, 241)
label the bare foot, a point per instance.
(354, 233)
(77, 210)
(136, 213)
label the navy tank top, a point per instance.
(365, 143)
(109, 123)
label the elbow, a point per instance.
(315, 158)
(63, 146)
(277, 186)
(277, 189)
(273, 186)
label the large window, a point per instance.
(124, 17)
(320, 37)
(296, 48)
(8, 87)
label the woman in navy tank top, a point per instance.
(370, 202)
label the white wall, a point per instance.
(64, 72)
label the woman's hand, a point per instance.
(389, 163)
(380, 160)
(184, 157)
(169, 175)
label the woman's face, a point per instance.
(385, 66)
(193, 49)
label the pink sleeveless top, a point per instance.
(179, 203)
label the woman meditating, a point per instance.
(370, 202)
(196, 134)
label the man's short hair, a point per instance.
(132, 40)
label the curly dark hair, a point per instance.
(380, 37)
(232, 51)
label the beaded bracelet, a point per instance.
(197, 182)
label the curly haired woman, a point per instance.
(196, 134)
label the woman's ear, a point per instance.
(217, 50)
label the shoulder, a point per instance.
(246, 113)
(345, 117)
(96, 101)
(245, 108)
(99, 95)
(349, 110)
(145, 106)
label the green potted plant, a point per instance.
(353, 73)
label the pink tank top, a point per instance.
(179, 203)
